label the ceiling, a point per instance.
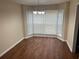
(41, 2)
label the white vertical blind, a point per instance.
(38, 22)
(29, 23)
(60, 23)
(49, 23)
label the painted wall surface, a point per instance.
(11, 24)
(71, 24)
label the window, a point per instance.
(45, 22)
(39, 12)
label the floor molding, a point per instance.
(60, 38)
(28, 37)
(69, 46)
(11, 47)
(43, 47)
(14, 45)
(40, 35)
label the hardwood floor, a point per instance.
(40, 48)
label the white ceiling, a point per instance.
(41, 2)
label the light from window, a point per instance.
(43, 12)
(35, 12)
(39, 12)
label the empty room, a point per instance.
(39, 29)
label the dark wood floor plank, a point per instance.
(40, 48)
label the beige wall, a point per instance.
(11, 26)
(71, 24)
(66, 19)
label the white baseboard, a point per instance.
(14, 45)
(69, 46)
(44, 35)
(10, 47)
(66, 42)
(60, 38)
(28, 37)
(50, 36)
